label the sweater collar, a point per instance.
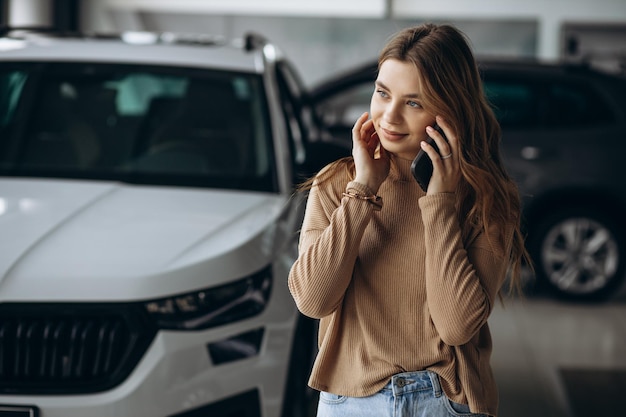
(401, 169)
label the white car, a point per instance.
(147, 226)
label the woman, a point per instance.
(404, 280)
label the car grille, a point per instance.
(70, 348)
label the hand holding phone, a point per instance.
(422, 166)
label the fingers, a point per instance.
(364, 134)
(449, 144)
(358, 127)
(446, 172)
(430, 150)
(369, 135)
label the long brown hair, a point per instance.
(451, 87)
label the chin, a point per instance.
(400, 151)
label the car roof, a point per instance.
(534, 66)
(143, 48)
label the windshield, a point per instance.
(150, 125)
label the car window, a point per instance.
(11, 85)
(146, 124)
(514, 103)
(547, 103)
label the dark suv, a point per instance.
(564, 132)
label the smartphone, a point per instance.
(422, 166)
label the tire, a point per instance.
(299, 398)
(579, 253)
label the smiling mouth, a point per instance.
(389, 134)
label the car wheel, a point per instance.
(299, 398)
(578, 254)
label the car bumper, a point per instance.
(178, 377)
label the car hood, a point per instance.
(81, 240)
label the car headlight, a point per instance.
(213, 306)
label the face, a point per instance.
(396, 110)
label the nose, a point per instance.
(392, 113)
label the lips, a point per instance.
(392, 135)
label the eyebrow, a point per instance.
(381, 84)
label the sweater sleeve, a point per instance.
(461, 283)
(329, 243)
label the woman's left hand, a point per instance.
(446, 169)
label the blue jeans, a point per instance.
(410, 394)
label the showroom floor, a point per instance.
(557, 359)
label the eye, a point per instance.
(382, 93)
(414, 104)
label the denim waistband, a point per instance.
(407, 382)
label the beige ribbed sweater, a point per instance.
(397, 290)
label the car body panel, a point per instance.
(60, 230)
(45, 49)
